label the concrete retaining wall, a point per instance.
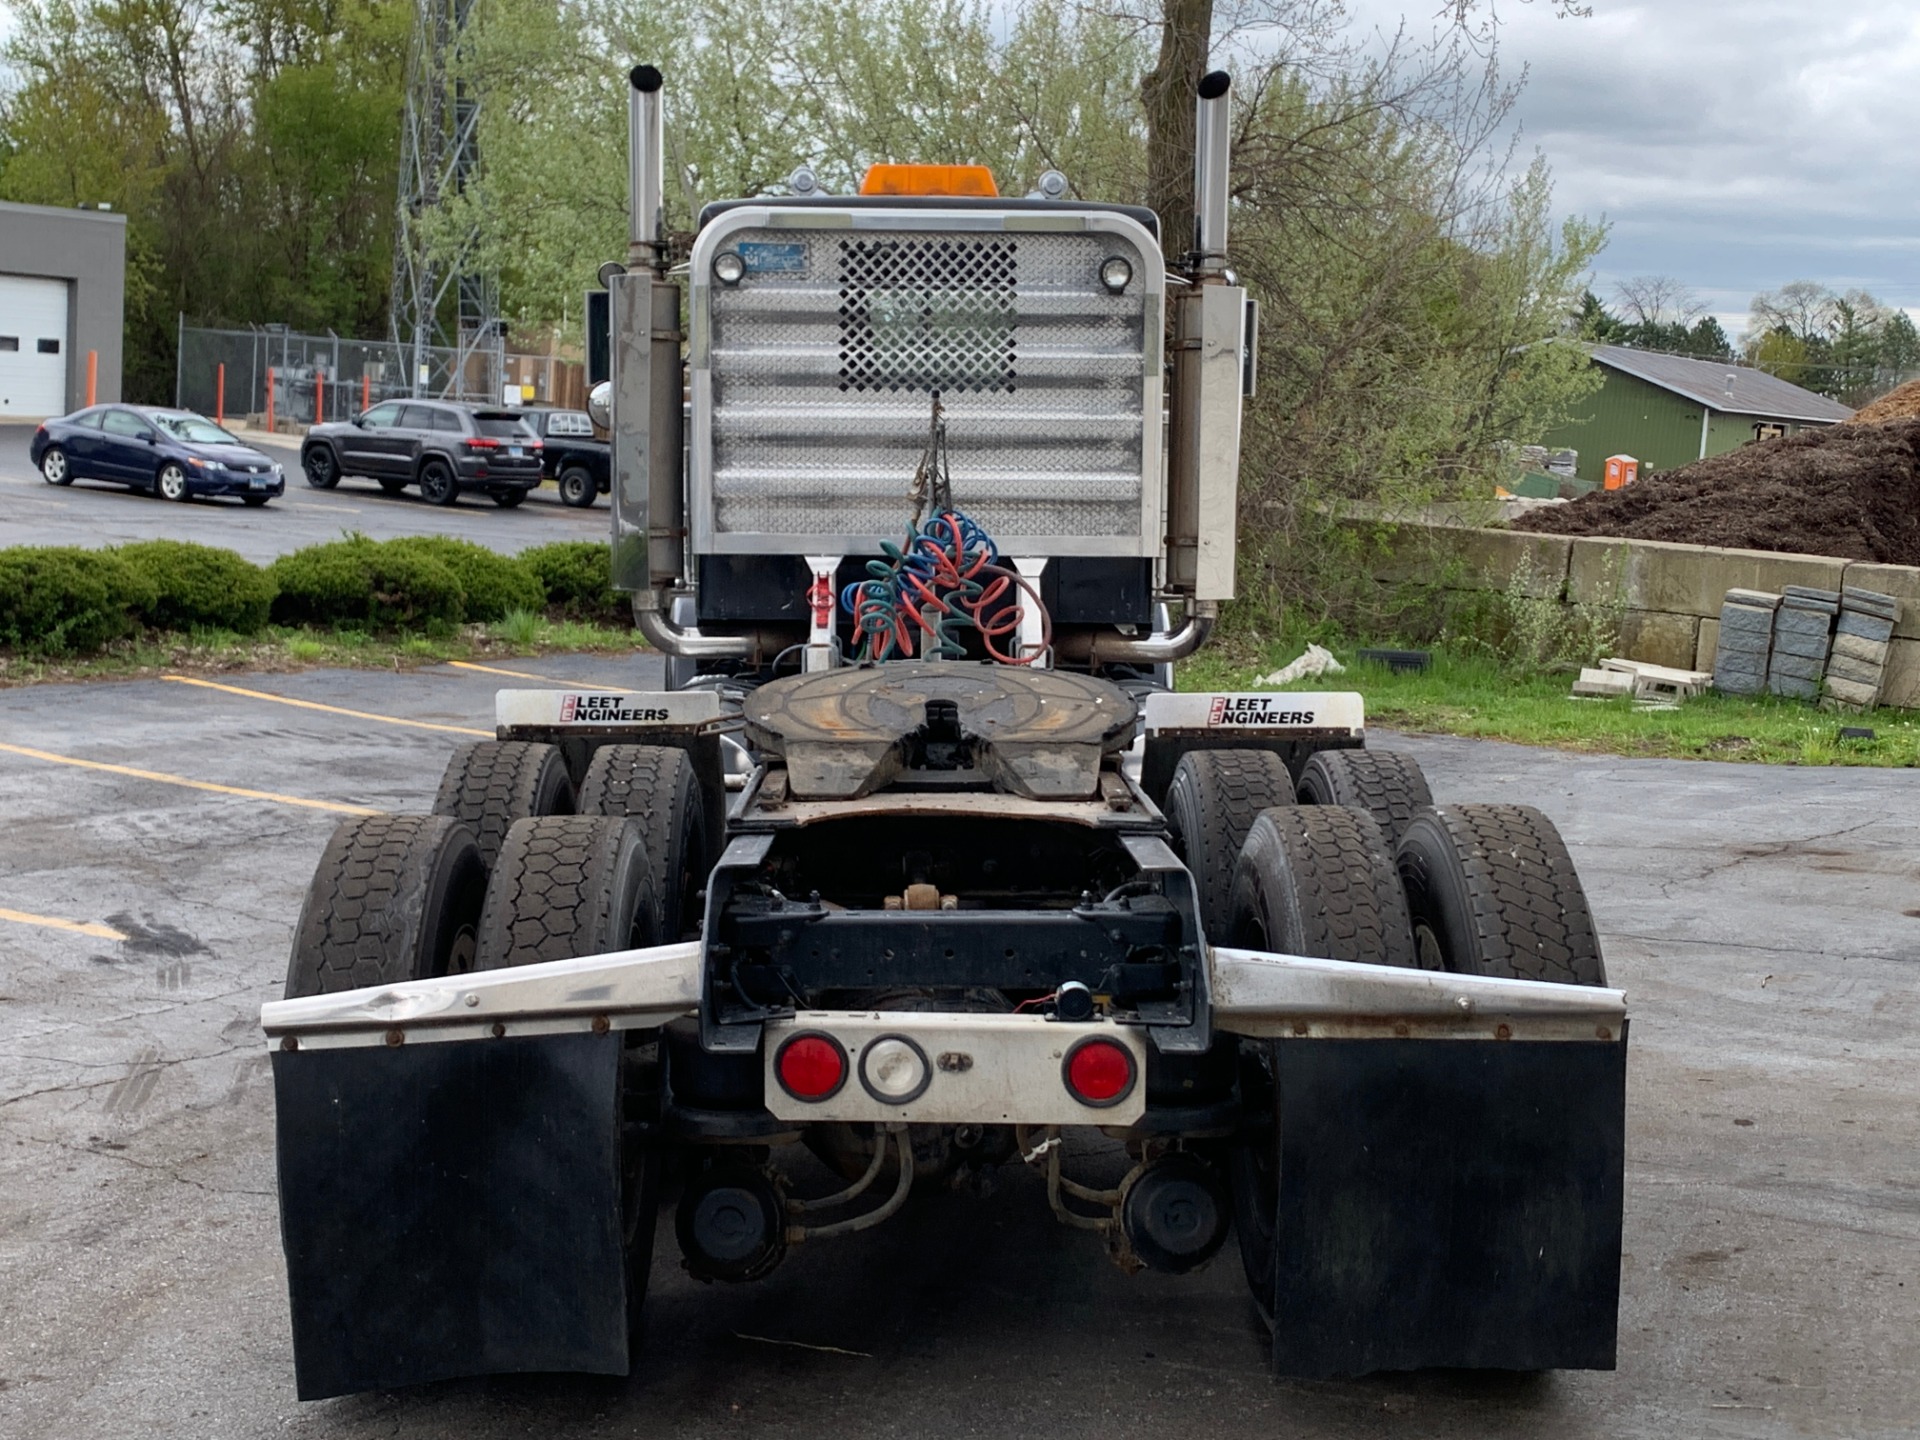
(1672, 593)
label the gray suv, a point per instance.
(442, 447)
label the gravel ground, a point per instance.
(1761, 920)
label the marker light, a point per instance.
(1099, 1072)
(1116, 273)
(811, 1066)
(894, 1070)
(728, 267)
(929, 180)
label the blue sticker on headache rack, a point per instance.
(767, 257)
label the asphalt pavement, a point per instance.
(159, 836)
(98, 512)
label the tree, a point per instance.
(1657, 301)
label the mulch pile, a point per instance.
(1900, 403)
(1846, 490)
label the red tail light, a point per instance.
(1099, 1072)
(483, 444)
(811, 1066)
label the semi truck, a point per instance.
(918, 864)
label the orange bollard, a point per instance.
(366, 391)
(220, 394)
(319, 400)
(93, 376)
(269, 400)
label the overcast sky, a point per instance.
(1733, 144)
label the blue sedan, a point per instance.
(174, 454)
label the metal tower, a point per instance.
(452, 348)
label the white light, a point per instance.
(894, 1070)
(1115, 274)
(728, 267)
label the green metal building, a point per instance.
(1669, 410)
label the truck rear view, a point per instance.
(918, 861)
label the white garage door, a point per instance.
(33, 346)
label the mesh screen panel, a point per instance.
(824, 362)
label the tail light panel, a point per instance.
(948, 1068)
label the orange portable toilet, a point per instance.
(1622, 471)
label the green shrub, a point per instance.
(357, 583)
(199, 585)
(492, 583)
(62, 600)
(577, 576)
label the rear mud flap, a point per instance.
(451, 1209)
(1448, 1203)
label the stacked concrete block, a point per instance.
(1802, 636)
(1862, 639)
(1744, 643)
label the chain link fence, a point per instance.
(273, 377)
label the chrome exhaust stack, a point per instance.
(646, 169)
(1211, 138)
(1210, 337)
(649, 376)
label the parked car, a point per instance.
(573, 459)
(173, 454)
(442, 447)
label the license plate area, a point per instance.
(982, 1069)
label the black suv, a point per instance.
(442, 447)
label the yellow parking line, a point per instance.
(165, 779)
(543, 679)
(329, 709)
(53, 922)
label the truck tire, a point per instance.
(578, 487)
(571, 885)
(565, 886)
(1492, 891)
(656, 785)
(1388, 786)
(1320, 880)
(394, 897)
(1212, 802)
(492, 783)
(1316, 880)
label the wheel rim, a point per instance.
(54, 467)
(571, 489)
(460, 953)
(1426, 948)
(434, 484)
(173, 483)
(319, 469)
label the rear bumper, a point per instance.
(1449, 1155)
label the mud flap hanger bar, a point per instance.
(1253, 993)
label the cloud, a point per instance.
(1733, 144)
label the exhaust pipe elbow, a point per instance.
(1104, 647)
(650, 618)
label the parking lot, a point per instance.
(98, 512)
(160, 835)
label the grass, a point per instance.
(284, 648)
(1473, 696)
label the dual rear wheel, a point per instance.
(505, 873)
(1357, 864)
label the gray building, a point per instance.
(63, 287)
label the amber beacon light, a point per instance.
(929, 180)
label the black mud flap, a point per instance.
(1448, 1203)
(451, 1209)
